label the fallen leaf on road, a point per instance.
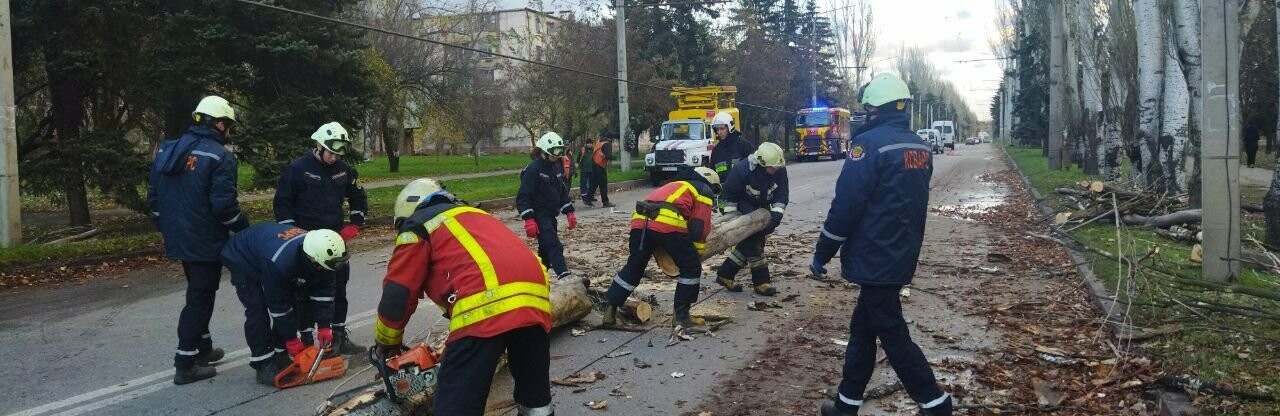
(639, 363)
(577, 332)
(998, 258)
(790, 297)
(1047, 393)
(578, 378)
(600, 405)
(677, 375)
(840, 342)
(617, 354)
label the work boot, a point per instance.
(608, 205)
(943, 409)
(610, 316)
(268, 372)
(589, 203)
(831, 409)
(763, 289)
(729, 284)
(193, 374)
(343, 344)
(210, 356)
(682, 317)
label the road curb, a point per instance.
(1169, 403)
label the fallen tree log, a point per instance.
(569, 303)
(1256, 208)
(726, 233)
(637, 309)
(1163, 221)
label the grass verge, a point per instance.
(1242, 352)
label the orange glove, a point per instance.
(573, 220)
(349, 232)
(530, 228)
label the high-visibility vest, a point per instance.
(597, 154)
(568, 166)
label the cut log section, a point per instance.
(569, 303)
(1164, 221)
(637, 309)
(726, 233)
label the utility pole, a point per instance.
(1057, 80)
(1220, 139)
(624, 114)
(10, 204)
(1006, 109)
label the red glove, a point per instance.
(349, 232)
(294, 347)
(573, 220)
(530, 228)
(324, 337)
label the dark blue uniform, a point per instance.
(730, 151)
(192, 195)
(543, 196)
(877, 223)
(747, 188)
(309, 195)
(268, 268)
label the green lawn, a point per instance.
(1203, 348)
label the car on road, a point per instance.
(972, 141)
(931, 137)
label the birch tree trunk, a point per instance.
(1090, 88)
(1186, 24)
(1112, 149)
(1151, 51)
(1175, 100)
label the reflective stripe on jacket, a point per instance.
(480, 274)
(693, 216)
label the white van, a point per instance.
(948, 130)
(932, 137)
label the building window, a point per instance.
(538, 26)
(538, 54)
(493, 75)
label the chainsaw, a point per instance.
(411, 373)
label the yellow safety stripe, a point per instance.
(386, 335)
(665, 216)
(477, 300)
(407, 237)
(699, 246)
(469, 243)
(500, 307)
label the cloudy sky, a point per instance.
(949, 30)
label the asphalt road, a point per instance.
(106, 347)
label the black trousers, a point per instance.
(263, 342)
(306, 316)
(879, 315)
(550, 249)
(747, 254)
(642, 245)
(1251, 151)
(469, 363)
(193, 323)
(584, 183)
(599, 181)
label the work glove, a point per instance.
(817, 271)
(324, 337)
(349, 232)
(775, 219)
(729, 208)
(294, 347)
(530, 228)
(573, 220)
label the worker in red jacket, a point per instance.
(677, 218)
(486, 280)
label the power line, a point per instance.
(691, 3)
(494, 54)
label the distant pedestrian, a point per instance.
(876, 223)
(601, 155)
(310, 195)
(542, 197)
(566, 163)
(585, 168)
(192, 194)
(1251, 143)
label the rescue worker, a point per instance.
(584, 167)
(876, 222)
(761, 183)
(601, 154)
(309, 195)
(270, 264)
(542, 197)
(730, 146)
(192, 195)
(484, 278)
(676, 217)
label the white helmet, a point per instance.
(415, 193)
(215, 107)
(770, 155)
(723, 119)
(551, 143)
(333, 137)
(325, 248)
(712, 177)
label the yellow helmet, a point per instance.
(770, 155)
(215, 107)
(712, 177)
(325, 248)
(333, 137)
(415, 193)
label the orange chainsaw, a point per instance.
(317, 368)
(410, 373)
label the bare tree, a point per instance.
(856, 34)
(1151, 60)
